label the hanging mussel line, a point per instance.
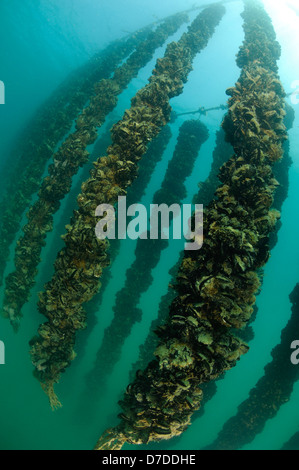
(49, 126)
(271, 392)
(67, 160)
(254, 412)
(222, 152)
(79, 265)
(146, 169)
(192, 135)
(216, 286)
(281, 173)
(147, 166)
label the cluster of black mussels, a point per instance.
(66, 162)
(221, 154)
(216, 286)
(79, 265)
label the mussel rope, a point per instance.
(67, 160)
(49, 126)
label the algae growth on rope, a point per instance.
(79, 265)
(216, 286)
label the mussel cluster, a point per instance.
(79, 265)
(216, 286)
(273, 389)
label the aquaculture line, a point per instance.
(216, 286)
(79, 265)
(270, 392)
(67, 160)
(51, 123)
(281, 173)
